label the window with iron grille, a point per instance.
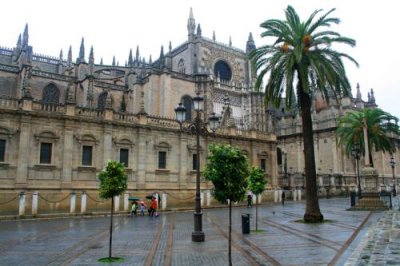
(263, 165)
(194, 164)
(2, 150)
(162, 160)
(87, 152)
(124, 157)
(45, 152)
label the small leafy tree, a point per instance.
(227, 168)
(257, 184)
(113, 181)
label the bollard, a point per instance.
(21, 211)
(116, 203)
(164, 200)
(295, 195)
(72, 202)
(276, 195)
(201, 199)
(35, 199)
(83, 202)
(245, 223)
(299, 194)
(126, 201)
(208, 193)
(352, 198)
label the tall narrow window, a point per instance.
(263, 165)
(2, 150)
(51, 94)
(45, 152)
(87, 155)
(124, 157)
(194, 164)
(187, 103)
(162, 160)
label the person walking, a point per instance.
(134, 208)
(142, 208)
(283, 197)
(249, 201)
(153, 207)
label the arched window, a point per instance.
(101, 104)
(187, 103)
(223, 70)
(51, 95)
(181, 66)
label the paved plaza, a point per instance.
(347, 238)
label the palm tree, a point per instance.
(302, 52)
(379, 125)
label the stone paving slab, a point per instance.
(166, 240)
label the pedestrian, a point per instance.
(142, 208)
(153, 207)
(283, 197)
(249, 201)
(134, 208)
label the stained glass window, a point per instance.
(181, 66)
(101, 104)
(51, 94)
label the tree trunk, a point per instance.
(256, 212)
(111, 227)
(312, 213)
(230, 233)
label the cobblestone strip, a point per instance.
(382, 244)
(311, 237)
(248, 253)
(153, 250)
(170, 242)
(348, 242)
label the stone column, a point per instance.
(299, 194)
(73, 202)
(67, 155)
(35, 203)
(21, 211)
(24, 158)
(126, 201)
(142, 161)
(183, 161)
(116, 203)
(83, 202)
(294, 194)
(107, 145)
(164, 200)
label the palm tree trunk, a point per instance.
(312, 213)
(230, 233)
(111, 227)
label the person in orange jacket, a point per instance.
(153, 206)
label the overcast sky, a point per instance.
(115, 27)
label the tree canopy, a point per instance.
(113, 180)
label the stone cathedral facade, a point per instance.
(62, 119)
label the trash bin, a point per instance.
(246, 223)
(352, 198)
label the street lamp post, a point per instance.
(393, 164)
(198, 126)
(356, 153)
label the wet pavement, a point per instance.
(346, 238)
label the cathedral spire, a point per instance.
(198, 30)
(101, 61)
(113, 62)
(91, 56)
(372, 100)
(130, 59)
(61, 56)
(358, 95)
(250, 45)
(25, 39)
(191, 24)
(81, 58)
(170, 47)
(137, 59)
(19, 42)
(214, 35)
(230, 41)
(69, 59)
